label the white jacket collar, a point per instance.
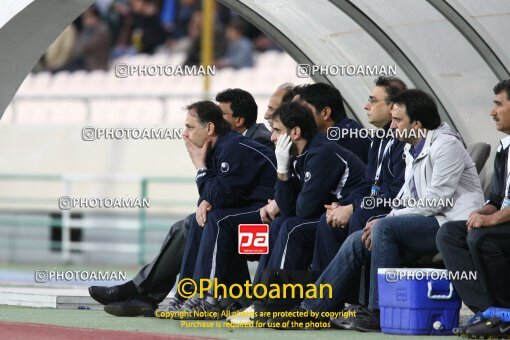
(432, 135)
(504, 143)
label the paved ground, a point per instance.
(102, 321)
(25, 322)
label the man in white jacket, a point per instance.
(441, 184)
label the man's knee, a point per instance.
(481, 241)
(380, 227)
(359, 219)
(187, 221)
(353, 242)
(323, 228)
(475, 238)
(274, 227)
(323, 220)
(445, 233)
(284, 231)
(215, 215)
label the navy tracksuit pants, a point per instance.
(329, 240)
(212, 251)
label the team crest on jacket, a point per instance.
(308, 175)
(224, 167)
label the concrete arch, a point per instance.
(22, 45)
(474, 38)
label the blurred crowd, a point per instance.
(114, 28)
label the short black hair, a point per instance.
(393, 86)
(242, 104)
(208, 112)
(294, 114)
(322, 95)
(420, 106)
(289, 95)
(503, 85)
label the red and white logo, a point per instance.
(253, 239)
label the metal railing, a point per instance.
(66, 222)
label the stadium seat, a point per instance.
(103, 98)
(66, 111)
(479, 152)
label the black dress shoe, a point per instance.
(493, 328)
(348, 315)
(105, 295)
(368, 321)
(475, 319)
(135, 306)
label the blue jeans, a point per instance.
(390, 237)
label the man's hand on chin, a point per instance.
(198, 155)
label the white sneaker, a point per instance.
(243, 316)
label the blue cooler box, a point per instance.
(417, 301)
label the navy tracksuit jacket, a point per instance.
(240, 172)
(357, 145)
(324, 173)
(391, 179)
(240, 178)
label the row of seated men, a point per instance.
(312, 192)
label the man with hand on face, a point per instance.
(141, 295)
(326, 106)
(235, 178)
(283, 94)
(438, 171)
(383, 178)
(482, 243)
(312, 171)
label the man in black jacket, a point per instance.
(383, 178)
(482, 243)
(328, 111)
(240, 110)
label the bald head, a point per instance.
(276, 99)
